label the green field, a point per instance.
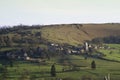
(75, 67)
(113, 53)
(38, 71)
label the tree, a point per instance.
(2, 42)
(53, 71)
(8, 41)
(93, 65)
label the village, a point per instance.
(41, 54)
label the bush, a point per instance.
(93, 65)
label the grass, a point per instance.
(38, 71)
(43, 71)
(75, 34)
(8, 49)
(113, 53)
(114, 46)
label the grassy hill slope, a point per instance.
(64, 33)
(77, 33)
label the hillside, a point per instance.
(77, 33)
(64, 33)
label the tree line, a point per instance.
(108, 40)
(8, 29)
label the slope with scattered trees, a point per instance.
(72, 34)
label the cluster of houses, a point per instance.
(57, 49)
(69, 49)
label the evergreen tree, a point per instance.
(53, 71)
(93, 65)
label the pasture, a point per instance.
(68, 67)
(82, 69)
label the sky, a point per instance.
(42, 12)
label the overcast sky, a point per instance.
(13, 12)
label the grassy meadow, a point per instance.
(75, 68)
(113, 53)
